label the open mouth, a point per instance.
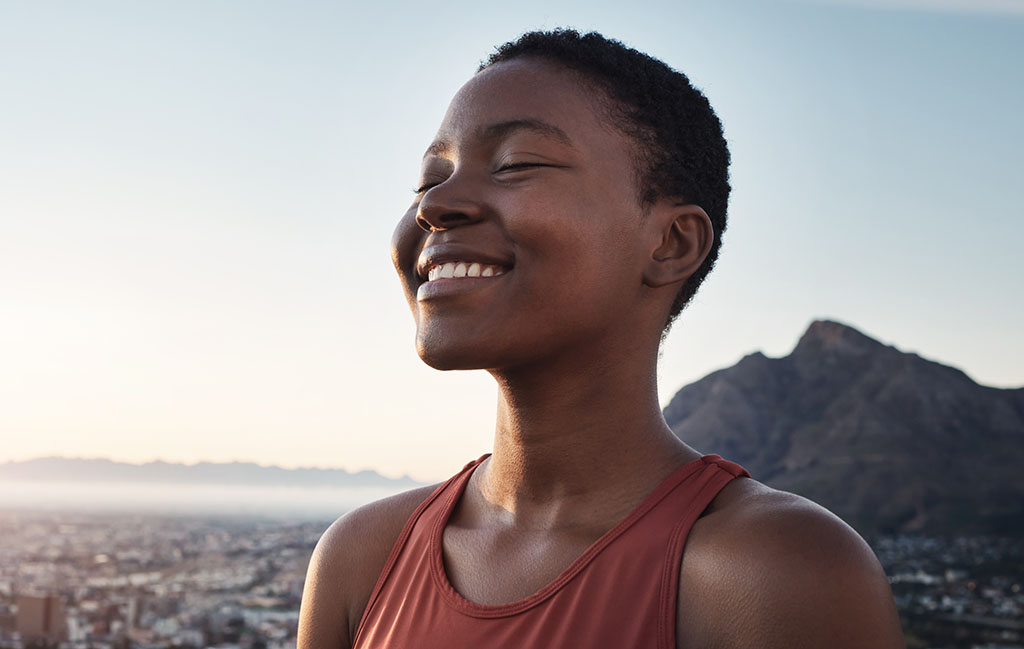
(460, 269)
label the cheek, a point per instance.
(405, 245)
(602, 237)
(589, 275)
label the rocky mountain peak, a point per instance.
(828, 337)
(890, 441)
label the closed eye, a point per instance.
(424, 188)
(511, 167)
(522, 165)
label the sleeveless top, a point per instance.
(621, 592)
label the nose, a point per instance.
(446, 206)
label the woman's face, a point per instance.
(525, 239)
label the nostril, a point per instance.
(453, 219)
(442, 222)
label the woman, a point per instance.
(572, 202)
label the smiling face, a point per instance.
(526, 238)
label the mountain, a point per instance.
(233, 473)
(889, 441)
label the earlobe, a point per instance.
(684, 239)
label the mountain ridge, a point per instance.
(890, 441)
(63, 469)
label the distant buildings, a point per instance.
(41, 619)
(76, 581)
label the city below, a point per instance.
(120, 581)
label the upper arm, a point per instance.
(781, 571)
(345, 566)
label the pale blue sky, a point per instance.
(196, 200)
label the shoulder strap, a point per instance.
(396, 549)
(714, 477)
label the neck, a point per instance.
(565, 434)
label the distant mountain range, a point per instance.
(210, 473)
(889, 441)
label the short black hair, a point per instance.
(683, 152)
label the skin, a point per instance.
(529, 172)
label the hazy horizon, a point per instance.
(185, 463)
(142, 463)
(150, 498)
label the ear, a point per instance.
(683, 239)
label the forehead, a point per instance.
(546, 98)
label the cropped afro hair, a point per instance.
(682, 150)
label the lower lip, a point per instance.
(445, 287)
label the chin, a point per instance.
(448, 359)
(444, 353)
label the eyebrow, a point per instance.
(501, 130)
(504, 129)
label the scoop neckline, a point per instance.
(469, 607)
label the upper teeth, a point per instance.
(453, 269)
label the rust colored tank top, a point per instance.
(620, 593)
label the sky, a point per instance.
(196, 201)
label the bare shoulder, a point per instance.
(765, 568)
(345, 566)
